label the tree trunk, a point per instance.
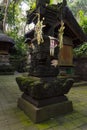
(5, 15)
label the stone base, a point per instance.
(39, 114)
(45, 101)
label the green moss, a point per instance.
(27, 80)
(27, 83)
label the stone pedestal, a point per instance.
(38, 114)
(43, 92)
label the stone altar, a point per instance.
(43, 92)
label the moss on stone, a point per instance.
(39, 88)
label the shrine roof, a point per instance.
(52, 15)
(6, 39)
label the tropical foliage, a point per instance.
(81, 51)
(77, 5)
(83, 20)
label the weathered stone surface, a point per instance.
(42, 81)
(43, 113)
(41, 60)
(40, 88)
(45, 101)
(43, 93)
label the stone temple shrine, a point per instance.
(6, 44)
(72, 36)
(43, 91)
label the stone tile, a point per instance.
(3, 123)
(50, 129)
(2, 118)
(4, 128)
(78, 122)
(69, 126)
(16, 126)
(49, 124)
(77, 129)
(43, 126)
(31, 128)
(84, 119)
(52, 122)
(59, 128)
(84, 127)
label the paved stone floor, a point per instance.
(12, 118)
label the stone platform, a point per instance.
(39, 114)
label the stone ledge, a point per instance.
(45, 101)
(82, 83)
(43, 113)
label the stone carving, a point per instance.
(42, 63)
(41, 88)
(42, 81)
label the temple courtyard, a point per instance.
(12, 118)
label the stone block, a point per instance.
(39, 114)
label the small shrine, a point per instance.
(57, 17)
(51, 42)
(6, 44)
